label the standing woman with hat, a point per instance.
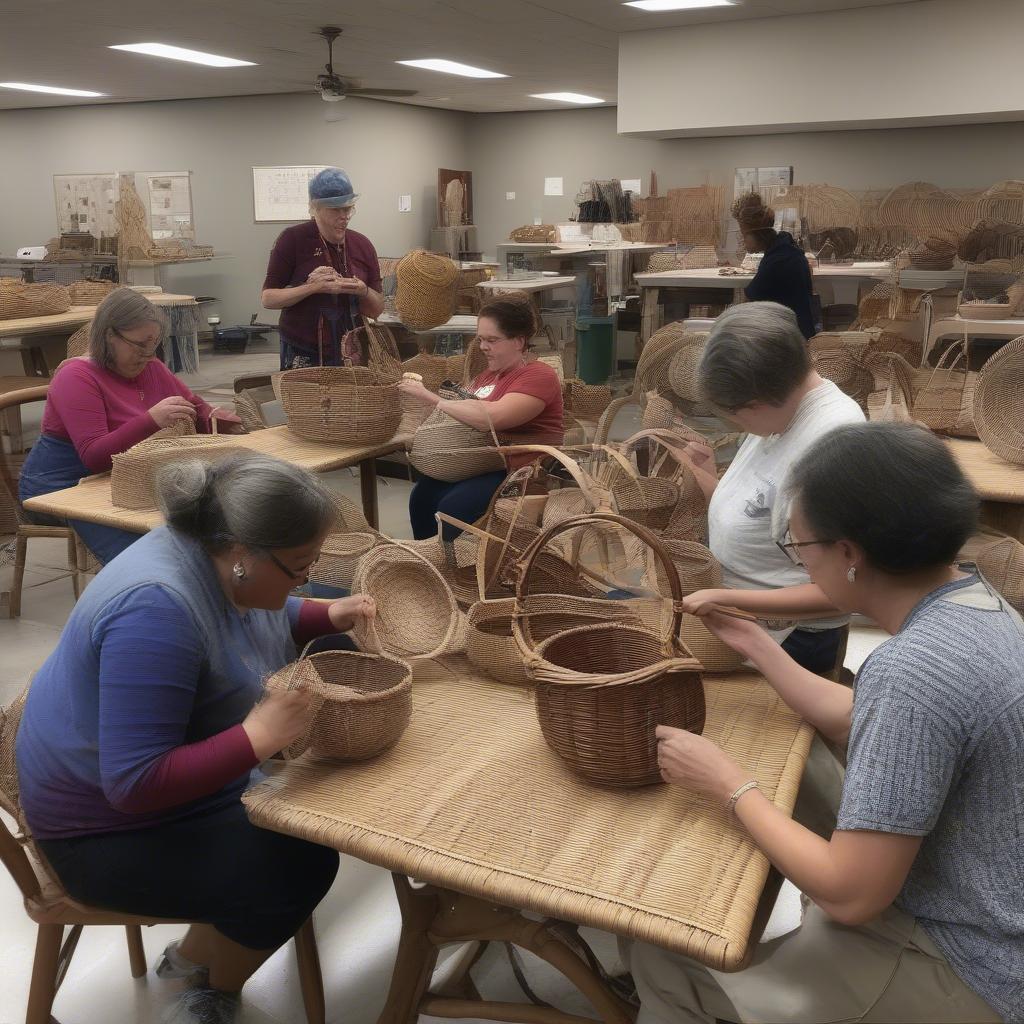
(323, 277)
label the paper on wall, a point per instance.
(553, 187)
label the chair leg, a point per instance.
(136, 951)
(44, 974)
(20, 557)
(73, 565)
(311, 980)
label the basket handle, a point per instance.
(672, 640)
(597, 494)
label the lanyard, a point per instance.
(329, 252)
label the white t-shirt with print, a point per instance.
(749, 510)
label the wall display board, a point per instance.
(282, 193)
(85, 203)
(169, 206)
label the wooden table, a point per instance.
(969, 327)
(1000, 484)
(473, 802)
(90, 499)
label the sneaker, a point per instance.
(204, 1006)
(173, 965)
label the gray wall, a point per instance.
(388, 148)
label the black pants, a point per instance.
(814, 650)
(254, 886)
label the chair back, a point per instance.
(10, 462)
(13, 844)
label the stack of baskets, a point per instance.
(19, 300)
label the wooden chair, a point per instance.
(12, 514)
(48, 904)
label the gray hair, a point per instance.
(122, 310)
(253, 500)
(755, 353)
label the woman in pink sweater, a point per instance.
(101, 404)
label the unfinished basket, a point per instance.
(892, 396)
(19, 300)
(89, 292)
(1001, 562)
(346, 405)
(998, 408)
(585, 401)
(682, 370)
(362, 703)
(339, 557)
(427, 289)
(416, 611)
(602, 689)
(945, 400)
(445, 449)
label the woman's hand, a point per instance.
(415, 390)
(318, 274)
(170, 411)
(742, 635)
(346, 611)
(699, 764)
(699, 602)
(700, 455)
(279, 719)
(227, 422)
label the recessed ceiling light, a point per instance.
(677, 5)
(452, 67)
(26, 87)
(566, 97)
(212, 60)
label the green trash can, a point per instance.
(595, 348)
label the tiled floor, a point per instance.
(357, 924)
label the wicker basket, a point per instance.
(417, 615)
(585, 401)
(1001, 562)
(19, 300)
(427, 290)
(362, 703)
(533, 233)
(90, 292)
(998, 407)
(985, 310)
(346, 405)
(945, 400)
(932, 254)
(339, 558)
(78, 343)
(445, 449)
(602, 689)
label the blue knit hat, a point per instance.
(331, 187)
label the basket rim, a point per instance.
(360, 696)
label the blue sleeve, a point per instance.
(151, 656)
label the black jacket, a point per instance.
(784, 276)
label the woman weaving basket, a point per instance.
(100, 405)
(912, 909)
(518, 398)
(141, 728)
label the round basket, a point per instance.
(90, 292)
(362, 703)
(985, 310)
(445, 449)
(1001, 562)
(339, 556)
(998, 410)
(19, 300)
(602, 689)
(417, 614)
(346, 405)
(427, 290)
(682, 371)
(585, 401)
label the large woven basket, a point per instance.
(602, 689)
(19, 300)
(362, 702)
(427, 289)
(445, 449)
(417, 614)
(90, 292)
(133, 473)
(998, 405)
(346, 405)
(945, 401)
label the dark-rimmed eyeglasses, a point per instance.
(299, 577)
(144, 348)
(791, 548)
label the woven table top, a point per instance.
(472, 799)
(993, 477)
(90, 499)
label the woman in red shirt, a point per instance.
(100, 405)
(521, 398)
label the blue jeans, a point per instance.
(466, 500)
(52, 465)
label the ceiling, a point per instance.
(544, 45)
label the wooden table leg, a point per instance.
(368, 490)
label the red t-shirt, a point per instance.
(538, 380)
(297, 252)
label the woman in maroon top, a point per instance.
(324, 278)
(520, 398)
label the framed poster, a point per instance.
(282, 193)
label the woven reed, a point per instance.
(78, 343)
(874, 307)
(713, 654)
(932, 254)
(339, 558)
(700, 257)
(133, 473)
(533, 233)
(89, 292)
(892, 395)
(682, 370)
(653, 366)
(361, 705)
(432, 371)
(340, 404)
(427, 290)
(998, 408)
(823, 208)
(946, 397)
(445, 449)
(1001, 562)
(585, 401)
(990, 241)
(891, 343)
(905, 303)
(248, 406)
(846, 371)
(695, 566)
(19, 300)
(1003, 201)
(919, 206)
(416, 611)
(688, 215)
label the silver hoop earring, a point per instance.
(239, 571)
(851, 574)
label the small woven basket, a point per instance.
(427, 289)
(19, 300)
(345, 405)
(339, 557)
(78, 343)
(362, 703)
(985, 310)
(1001, 562)
(585, 401)
(998, 407)
(89, 292)
(945, 400)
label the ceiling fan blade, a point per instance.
(381, 92)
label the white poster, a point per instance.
(85, 202)
(282, 193)
(631, 185)
(170, 204)
(553, 187)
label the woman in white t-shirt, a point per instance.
(756, 370)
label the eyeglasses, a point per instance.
(491, 341)
(791, 548)
(299, 577)
(147, 348)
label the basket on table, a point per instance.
(346, 405)
(362, 703)
(998, 406)
(427, 289)
(892, 397)
(602, 689)
(89, 292)
(932, 253)
(945, 400)
(985, 310)
(19, 300)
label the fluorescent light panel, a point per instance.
(452, 67)
(56, 90)
(677, 5)
(212, 60)
(566, 97)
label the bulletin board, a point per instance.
(282, 193)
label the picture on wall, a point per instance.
(454, 198)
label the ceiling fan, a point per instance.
(333, 87)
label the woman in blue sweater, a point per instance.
(141, 728)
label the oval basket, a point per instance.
(985, 310)
(362, 703)
(445, 449)
(998, 408)
(89, 292)
(19, 300)
(427, 289)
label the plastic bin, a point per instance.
(230, 339)
(595, 348)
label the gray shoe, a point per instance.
(204, 1006)
(173, 965)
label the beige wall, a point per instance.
(389, 149)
